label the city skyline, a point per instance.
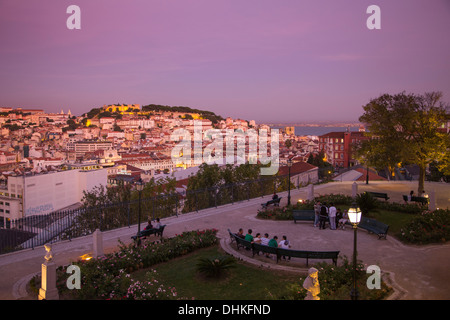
(257, 60)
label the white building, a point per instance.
(33, 194)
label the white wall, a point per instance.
(44, 193)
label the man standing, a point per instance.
(332, 216)
(316, 213)
(323, 217)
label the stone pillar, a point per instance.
(354, 189)
(48, 290)
(432, 199)
(311, 192)
(98, 244)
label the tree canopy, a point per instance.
(405, 128)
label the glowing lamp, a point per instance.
(354, 214)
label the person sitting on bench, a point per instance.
(157, 224)
(274, 198)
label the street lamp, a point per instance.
(139, 187)
(354, 215)
(367, 174)
(289, 162)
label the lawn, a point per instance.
(243, 282)
(395, 220)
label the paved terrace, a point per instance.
(416, 272)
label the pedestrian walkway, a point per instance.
(416, 272)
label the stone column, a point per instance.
(48, 290)
(311, 192)
(98, 244)
(354, 189)
(432, 199)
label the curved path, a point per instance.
(417, 273)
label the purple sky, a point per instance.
(286, 60)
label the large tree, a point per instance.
(404, 128)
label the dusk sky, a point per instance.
(264, 60)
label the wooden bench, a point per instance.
(275, 202)
(374, 226)
(421, 200)
(241, 242)
(279, 252)
(148, 232)
(379, 195)
(333, 255)
(303, 215)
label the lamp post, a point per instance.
(354, 215)
(289, 162)
(139, 187)
(367, 175)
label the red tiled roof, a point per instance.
(372, 175)
(297, 167)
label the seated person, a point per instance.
(249, 236)
(257, 238)
(338, 214)
(265, 240)
(343, 220)
(149, 225)
(240, 233)
(157, 224)
(273, 242)
(274, 198)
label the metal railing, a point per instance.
(37, 230)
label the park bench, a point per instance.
(421, 200)
(241, 242)
(275, 202)
(374, 226)
(145, 233)
(303, 215)
(379, 195)
(333, 255)
(279, 252)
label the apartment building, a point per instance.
(84, 146)
(337, 147)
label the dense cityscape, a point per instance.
(246, 154)
(115, 143)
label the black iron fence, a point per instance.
(37, 230)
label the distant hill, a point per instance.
(156, 108)
(187, 110)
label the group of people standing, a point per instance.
(329, 213)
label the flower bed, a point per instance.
(428, 227)
(109, 277)
(285, 213)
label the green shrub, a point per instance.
(366, 202)
(412, 208)
(276, 213)
(215, 267)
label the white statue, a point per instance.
(311, 284)
(48, 255)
